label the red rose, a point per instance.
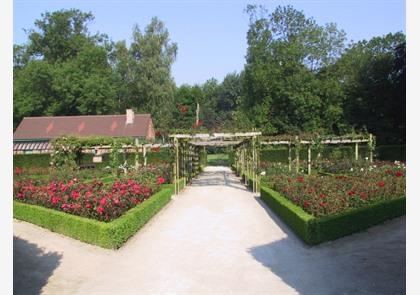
(103, 201)
(350, 193)
(363, 196)
(381, 183)
(75, 194)
(306, 204)
(399, 174)
(55, 200)
(322, 196)
(160, 180)
(300, 179)
(100, 210)
(88, 206)
(323, 204)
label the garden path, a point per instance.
(216, 237)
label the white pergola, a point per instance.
(187, 146)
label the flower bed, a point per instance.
(111, 234)
(94, 199)
(325, 207)
(315, 230)
(328, 195)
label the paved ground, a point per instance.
(214, 238)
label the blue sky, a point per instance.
(211, 35)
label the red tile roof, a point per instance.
(101, 125)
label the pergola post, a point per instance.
(309, 160)
(297, 155)
(290, 156)
(144, 156)
(176, 176)
(371, 147)
(356, 151)
(136, 161)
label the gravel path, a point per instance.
(216, 237)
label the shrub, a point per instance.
(314, 230)
(105, 234)
(31, 160)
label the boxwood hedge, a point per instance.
(31, 160)
(105, 234)
(318, 230)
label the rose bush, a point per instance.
(93, 199)
(327, 195)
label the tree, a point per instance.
(372, 74)
(63, 70)
(60, 35)
(286, 52)
(146, 69)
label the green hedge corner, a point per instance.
(105, 234)
(314, 231)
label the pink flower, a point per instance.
(103, 201)
(55, 200)
(160, 180)
(399, 174)
(100, 210)
(75, 194)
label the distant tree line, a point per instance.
(299, 76)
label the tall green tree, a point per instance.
(63, 70)
(286, 51)
(145, 69)
(373, 77)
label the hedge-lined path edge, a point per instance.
(214, 237)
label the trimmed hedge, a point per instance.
(31, 160)
(171, 186)
(314, 231)
(105, 234)
(293, 215)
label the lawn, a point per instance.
(218, 159)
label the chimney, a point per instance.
(129, 117)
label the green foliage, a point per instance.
(314, 231)
(286, 51)
(291, 214)
(67, 151)
(299, 76)
(62, 70)
(31, 160)
(372, 75)
(218, 160)
(115, 156)
(144, 72)
(108, 235)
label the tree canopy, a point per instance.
(298, 76)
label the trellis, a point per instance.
(296, 142)
(188, 146)
(99, 150)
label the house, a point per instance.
(33, 134)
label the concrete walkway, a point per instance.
(216, 237)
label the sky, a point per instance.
(211, 35)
